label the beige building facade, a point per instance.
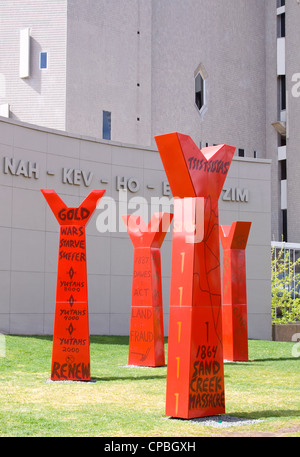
(221, 72)
(34, 158)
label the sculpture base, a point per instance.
(195, 374)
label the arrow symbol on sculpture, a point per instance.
(70, 359)
(143, 356)
(71, 300)
(71, 273)
(71, 329)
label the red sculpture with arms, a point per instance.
(146, 341)
(195, 375)
(234, 301)
(71, 354)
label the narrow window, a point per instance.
(199, 91)
(281, 25)
(106, 125)
(283, 170)
(282, 92)
(43, 60)
(284, 225)
(241, 153)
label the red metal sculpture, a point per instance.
(146, 341)
(71, 352)
(234, 307)
(195, 375)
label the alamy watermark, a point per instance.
(296, 347)
(296, 87)
(189, 215)
(2, 346)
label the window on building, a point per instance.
(284, 226)
(106, 125)
(281, 140)
(280, 3)
(281, 25)
(43, 60)
(282, 92)
(199, 91)
(283, 170)
(200, 78)
(241, 153)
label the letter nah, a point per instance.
(17, 168)
(234, 194)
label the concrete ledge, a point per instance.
(288, 332)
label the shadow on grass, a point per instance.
(250, 362)
(34, 337)
(268, 414)
(109, 339)
(127, 378)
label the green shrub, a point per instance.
(285, 287)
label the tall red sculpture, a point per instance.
(146, 340)
(195, 374)
(71, 352)
(234, 307)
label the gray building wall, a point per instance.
(39, 98)
(109, 68)
(113, 47)
(137, 59)
(293, 116)
(290, 118)
(29, 233)
(228, 38)
(272, 113)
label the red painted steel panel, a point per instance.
(146, 338)
(71, 354)
(195, 374)
(234, 292)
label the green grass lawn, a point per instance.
(125, 401)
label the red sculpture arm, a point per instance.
(72, 216)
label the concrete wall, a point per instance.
(293, 116)
(228, 38)
(138, 61)
(29, 233)
(40, 97)
(272, 115)
(109, 68)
